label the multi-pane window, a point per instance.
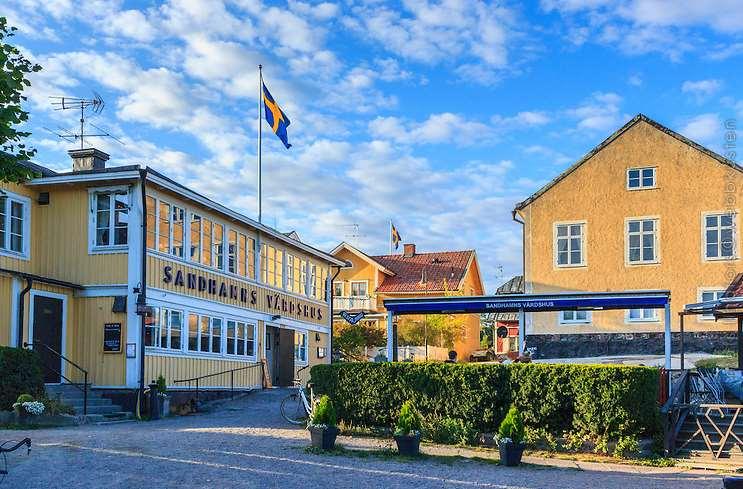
(638, 178)
(575, 317)
(111, 216)
(206, 242)
(711, 295)
(177, 231)
(240, 338)
(569, 241)
(244, 255)
(165, 227)
(359, 289)
(290, 272)
(300, 347)
(233, 252)
(13, 216)
(195, 230)
(151, 222)
(642, 241)
(218, 243)
(204, 333)
(271, 265)
(719, 236)
(312, 292)
(164, 328)
(250, 257)
(338, 289)
(642, 315)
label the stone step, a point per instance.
(110, 418)
(100, 409)
(699, 445)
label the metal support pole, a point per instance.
(85, 393)
(390, 335)
(522, 331)
(667, 336)
(232, 384)
(740, 342)
(681, 345)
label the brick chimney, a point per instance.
(408, 250)
(87, 159)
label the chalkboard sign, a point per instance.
(112, 338)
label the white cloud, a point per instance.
(701, 88)
(600, 112)
(705, 129)
(635, 80)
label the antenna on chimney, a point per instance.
(95, 104)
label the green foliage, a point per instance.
(449, 431)
(409, 420)
(729, 359)
(53, 407)
(24, 398)
(162, 387)
(512, 426)
(441, 330)
(20, 373)
(13, 70)
(324, 413)
(627, 446)
(592, 401)
(350, 339)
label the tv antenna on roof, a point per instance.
(95, 104)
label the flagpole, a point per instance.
(260, 133)
(390, 236)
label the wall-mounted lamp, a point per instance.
(317, 337)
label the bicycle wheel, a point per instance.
(292, 409)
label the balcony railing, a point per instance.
(354, 303)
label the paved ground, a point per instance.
(247, 444)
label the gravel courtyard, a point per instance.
(247, 444)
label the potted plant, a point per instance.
(162, 397)
(25, 407)
(322, 425)
(511, 438)
(408, 430)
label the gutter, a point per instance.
(142, 298)
(514, 216)
(21, 307)
(332, 280)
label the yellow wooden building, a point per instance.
(91, 269)
(369, 280)
(646, 209)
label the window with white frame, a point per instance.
(710, 295)
(642, 315)
(290, 272)
(164, 328)
(240, 338)
(639, 178)
(300, 347)
(165, 227)
(338, 289)
(204, 333)
(719, 236)
(642, 241)
(111, 218)
(195, 234)
(359, 289)
(14, 224)
(312, 292)
(574, 317)
(569, 244)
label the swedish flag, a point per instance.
(276, 117)
(395, 236)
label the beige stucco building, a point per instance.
(646, 209)
(79, 249)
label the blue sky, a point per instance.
(439, 115)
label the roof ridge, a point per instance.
(424, 253)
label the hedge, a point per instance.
(601, 401)
(20, 373)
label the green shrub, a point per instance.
(592, 401)
(409, 421)
(324, 413)
(20, 372)
(162, 387)
(24, 398)
(512, 426)
(53, 407)
(627, 446)
(449, 431)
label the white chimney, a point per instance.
(87, 159)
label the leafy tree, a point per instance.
(13, 70)
(350, 339)
(440, 330)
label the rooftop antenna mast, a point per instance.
(95, 104)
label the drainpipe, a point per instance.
(332, 281)
(21, 307)
(142, 297)
(522, 315)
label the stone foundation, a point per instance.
(610, 344)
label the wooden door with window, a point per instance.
(47, 330)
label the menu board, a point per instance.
(112, 338)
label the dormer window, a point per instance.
(640, 178)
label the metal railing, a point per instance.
(675, 411)
(83, 389)
(197, 380)
(354, 303)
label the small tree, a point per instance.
(409, 422)
(512, 426)
(324, 413)
(350, 339)
(13, 70)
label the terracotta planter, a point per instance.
(323, 438)
(510, 453)
(408, 445)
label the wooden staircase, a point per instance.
(698, 442)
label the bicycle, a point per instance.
(296, 408)
(4, 451)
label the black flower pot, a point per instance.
(323, 438)
(510, 453)
(408, 445)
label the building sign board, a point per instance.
(112, 338)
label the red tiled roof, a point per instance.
(424, 272)
(735, 289)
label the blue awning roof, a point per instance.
(648, 299)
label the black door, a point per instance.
(285, 357)
(47, 327)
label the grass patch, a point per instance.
(728, 360)
(651, 461)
